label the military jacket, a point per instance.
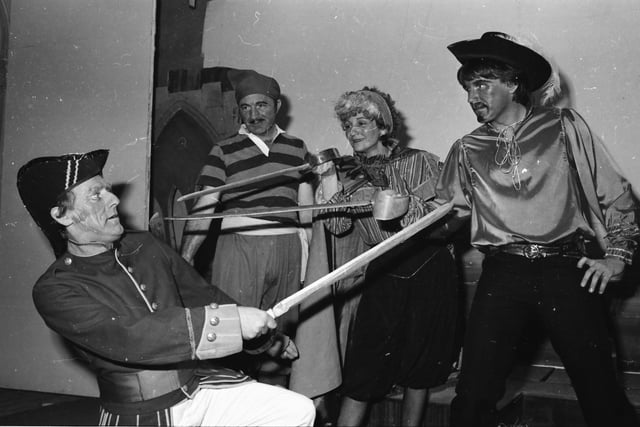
(142, 318)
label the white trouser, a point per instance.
(248, 404)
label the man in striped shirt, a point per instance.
(258, 261)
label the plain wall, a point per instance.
(79, 78)
(318, 49)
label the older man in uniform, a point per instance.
(141, 317)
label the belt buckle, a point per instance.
(532, 251)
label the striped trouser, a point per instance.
(247, 404)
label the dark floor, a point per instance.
(24, 408)
(536, 397)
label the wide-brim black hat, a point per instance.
(501, 47)
(43, 180)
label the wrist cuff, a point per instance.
(221, 334)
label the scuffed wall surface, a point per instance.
(319, 48)
(79, 78)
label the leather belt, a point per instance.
(144, 385)
(535, 251)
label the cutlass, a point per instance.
(271, 211)
(386, 204)
(348, 268)
(328, 155)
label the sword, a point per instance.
(328, 155)
(271, 211)
(364, 258)
(244, 182)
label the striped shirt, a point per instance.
(238, 158)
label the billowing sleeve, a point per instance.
(454, 183)
(608, 193)
(337, 221)
(419, 185)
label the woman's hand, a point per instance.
(328, 181)
(323, 169)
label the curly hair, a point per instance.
(352, 103)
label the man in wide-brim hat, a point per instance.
(557, 225)
(502, 47)
(140, 316)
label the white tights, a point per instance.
(248, 404)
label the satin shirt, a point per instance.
(568, 184)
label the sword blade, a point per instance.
(348, 268)
(270, 211)
(242, 183)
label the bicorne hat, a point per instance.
(501, 47)
(44, 179)
(248, 82)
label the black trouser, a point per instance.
(512, 291)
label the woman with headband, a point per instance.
(404, 329)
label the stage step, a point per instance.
(536, 396)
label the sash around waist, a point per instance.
(255, 226)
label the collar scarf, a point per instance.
(372, 168)
(262, 146)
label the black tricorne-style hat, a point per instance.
(42, 180)
(501, 47)
(248, 82)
